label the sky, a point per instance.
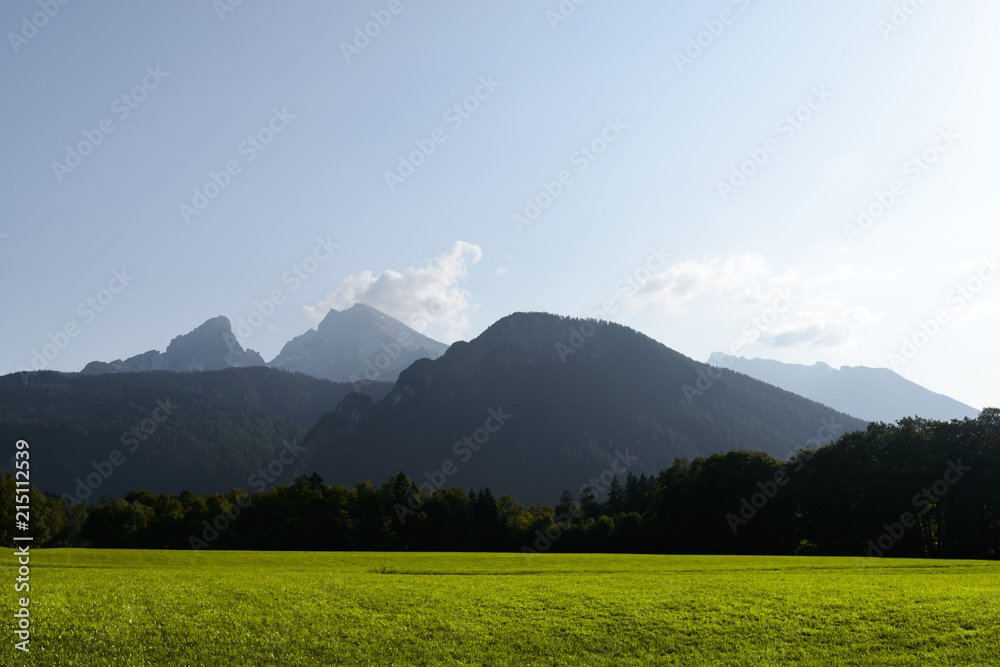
(795, 181)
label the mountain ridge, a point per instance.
(359, 344)
(873, 394)
(356, 344)
(579, 393)
(220, 427)
(210, 346)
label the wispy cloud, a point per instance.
(743, 278)
(746, 284)
(821, 323)
(433, 294)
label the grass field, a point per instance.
(92, 607)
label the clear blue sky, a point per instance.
(439, 247)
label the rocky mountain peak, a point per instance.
(355, 344)
(210, 346)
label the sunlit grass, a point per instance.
(104, 607)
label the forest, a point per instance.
(916, 488)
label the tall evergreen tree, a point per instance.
(616, 497)
(588, 503)
(633, 494)
(567, 505)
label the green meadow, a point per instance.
(116, 607)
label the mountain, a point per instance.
(352, 345)
(359, 343)
(212, 346)
(873, 394)
(539, 403)
(160, 431)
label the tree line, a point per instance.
(916, 488)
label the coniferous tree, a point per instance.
(487, 522)
(633, 494)
(616, 497)
(588, 503)
(402, 488)
(646, 486)
(567, 506)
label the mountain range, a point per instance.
(873, 394)
(539, 403)
(354, 345)
(160, 431)
(210, 347)
(536, 404)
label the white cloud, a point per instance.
(786, 310)
(418, 297)
(822, 323)
(740, 276)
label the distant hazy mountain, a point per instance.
(539, 403)
(359, 343)
(161, 431)
(210, 347)
(873, 394)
